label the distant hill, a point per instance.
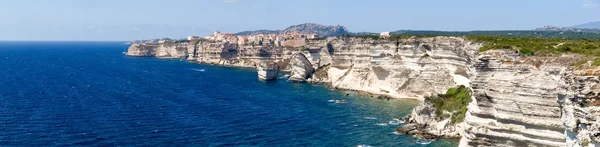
(306, 28)
(508, 33)
(258, 32)
(589, 25)
(545, 32)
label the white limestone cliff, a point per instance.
(267, 70)
(406, 68)
(301, 68)
(516, 101)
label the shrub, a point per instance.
(530, 45)
(585, 143)
(589, 46)
(526, 52)
(455, 101)
(596, 62)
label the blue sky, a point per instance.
(144, 19)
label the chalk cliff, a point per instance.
(267, 70)
(301, 68)
(162, 50)
(516, 101)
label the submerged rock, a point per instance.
(301, 68)
(267, 70)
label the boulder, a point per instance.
(267, 70)
(301, 68)
(405, 129)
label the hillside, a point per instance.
(589, 25)
(306, 28)
(338, 30)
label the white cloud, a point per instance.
(591, 5)
(231, 1)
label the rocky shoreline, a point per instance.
(514, 100)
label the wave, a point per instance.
(424, 141)
(200, 70)
(396, 122)
(371, 118)
(381, 124)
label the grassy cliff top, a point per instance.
(539, 46)
(527, 46)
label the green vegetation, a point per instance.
(526, 52)
(181, 41)
(527, 43)
(585, 142)
(455, 101)
(302, 49)
(596, 62)
(531, 46)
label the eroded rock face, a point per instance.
(267, 70)
(581, 109)
(142, 50)
(423, 122)
(163, 50)
(515, 101)
(301, 68)
(405, 68)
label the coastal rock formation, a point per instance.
(516, 101)
(406, 68)
(167, 49)
(403, 68)
(267, 70)
(301, 68)
(424, 123)
(581, 109)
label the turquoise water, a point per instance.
(88, 93)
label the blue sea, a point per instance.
(90, 94)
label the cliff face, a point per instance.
(516, 101)
(581, 109)
(267, 70)
(162, 50)
(301, 68)
(407, 68)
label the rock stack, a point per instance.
(301, 68)
(267, 70)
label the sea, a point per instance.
(90, 94)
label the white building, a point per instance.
(385, 34)
(193, 37)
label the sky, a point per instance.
(121, 20)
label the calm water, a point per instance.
(88, 93)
